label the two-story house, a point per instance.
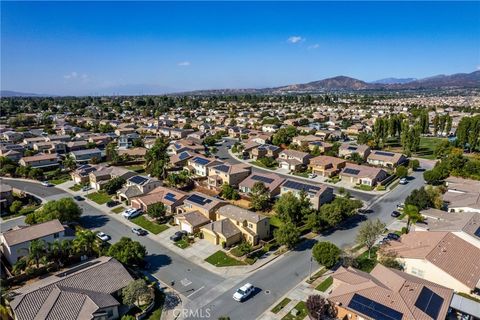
(346, 150)
(40, 161)
(385, 159)
(171, 199)
(137, 186)
(317, 194)
(363, 175)
(293, 160)
(199, 165)
(85, 156)
(102, 175)
(271, 181)
(231, 174)
(326, 166)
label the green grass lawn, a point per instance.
(317, 275)
(59, 180)
(427, 147)
(146, 224)
(364, 187)
(301, 174)
(118, 209)
(325, 284)
(302, 312)
(76, 187)
(221, 259)
(136, 167)
(275, 221)
(259, 164)
(182, 244)
(366, 264)
(281, 305)
(99, 197)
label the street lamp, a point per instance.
(310, 270)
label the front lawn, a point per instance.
(118, 209)
(99, 197)
(366, 264)
(76, 187)
(182, 244)
(261, 164)
(325, 284)
(146, 224)
(221, 259)
(281, 305)
(301, 314)
(364, 187)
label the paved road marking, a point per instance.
(185, 282)
(191, 294)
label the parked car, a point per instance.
(103, 236)
(46, 184)
(403, 181)
(131, 213)
(139, 231)
(393, 236)
(79, 198)
(112, 203)
(400, 206)
(177, 236)
(312, 175)
(395, 214)
(244, 292)
(86, 188)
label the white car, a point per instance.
(86, 188)
(46, 184)
(403, 181)
(131, 213)
(103, 236)
(312, 175)
(242, 294)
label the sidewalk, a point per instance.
(317, 179)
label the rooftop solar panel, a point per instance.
(262, 179)
(138, 179)
(201, 161)
(429, 302)
(300, 186)
(383, 153)
(477, 233)
(170, 197)
(352, 148)
(373, 309)
(351, 171)
(183, 155)
(222, 167)
(199, 199)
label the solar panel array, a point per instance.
(170, 197)
(373, 309)
(222, 167)
(383, 153)
(300, 186)
(429, 302)
(352, 148)
(138, 179)
(351, 171)
(183, 155)
(262, 179)
(199, 199)
(201, 161)
(477, 233)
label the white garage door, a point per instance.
(186, 227)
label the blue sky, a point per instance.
(152, 47)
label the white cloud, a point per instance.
(184, 64)
(71, 75)
(295, 39)
(314, 46)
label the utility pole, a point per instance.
(310, 270)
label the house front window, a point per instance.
(56, 235)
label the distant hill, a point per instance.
(8, 93)
(394, 80)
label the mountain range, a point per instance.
(339, 83)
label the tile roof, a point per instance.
(223, 227)
(36, 231)
(265, 178)
(240, 214)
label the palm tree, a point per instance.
(5, 311)
(36, 251)
(85, 242)
(413, 215)
(69, 163)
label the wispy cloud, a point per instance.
(295, 39)
(314, 46)
(75, 76)
(184, 64)
(71, 75)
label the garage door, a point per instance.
(186, 227)
(210, 237)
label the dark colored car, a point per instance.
(177, 236)
(79, 198)
(139, 231)
(393, 236)
(395, 214)
(112, 203)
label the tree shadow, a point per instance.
(94, 221)
(352, 222)
(305, 245)
(156, 261)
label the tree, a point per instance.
(368, 233)
(112, 153)
(128, 252)
(319, 308)
(229, 193)
(113, 185)
(157, 159)
(413, 215)
(15, 206)
(287, 234)
(357, 158)
(85, 242)
(259, 196)
(178, 180)
(69, 163)
(156, 210)
(19, 266)
(401, 172)
(419, 198)
(291, 208)
(65, 210)
(326, 253)
(414, 164)
(284, 135)
(36, 250)
(136, 292)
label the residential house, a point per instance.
(180, 133)
(12, 136)
(355, 129)
(386, 293)
(385, 159)
(59, 138)
(202, 203)
(321, 145)
(6, 197)
(91, 290)
(363, 175)
(134, 154)
(40, 161)
(305, 140)
(179, 146)
(11, 154)
(199, 165)
(30, 142)
(346, 150)
(271, 128)
(271, 180)
(231, 174)
(102, 175)
(137, 186)
(125, 141)
(317, 194)
(81, 174)
(16, 242)
(462, 195)
(261, 151)
(171, 199)
(191, 221)
(101, 141)
(180, 159)
(124, 131)
(326, 166)
(77, 145)
(440, 257)
(85, 156)
(293, 160)
(232, 224)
